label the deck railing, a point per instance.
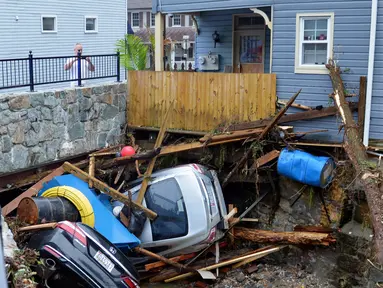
(32, 71)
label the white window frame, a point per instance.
(139, 20)
(307, 68)
(152, 17)
(42, 26)
(174, 18)
(96, 24)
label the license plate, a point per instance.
(104, 261)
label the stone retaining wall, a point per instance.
(40, 127)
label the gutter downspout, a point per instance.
(370, 74)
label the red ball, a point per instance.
(127, 151)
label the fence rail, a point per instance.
(202, 100)
(32, 71)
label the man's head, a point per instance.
(78, 48)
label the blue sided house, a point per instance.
(294, 40)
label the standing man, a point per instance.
(71, 64)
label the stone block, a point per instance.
(36, 127)
(76, 131)
(5, 117)
(46, 113)
(20, 157)
(4, 106)
(3, 130)
(79, 93)
(73, 114)
(6, 164)
(61, 132)
(59, 115)
(71, 96)
(52, 149)
(19, 102)
(50, 101)
(86, 104)
(6, 143)
(36, 156)
(113, 137)
(104, 125)
(4, 98)
(98, 90)
(31, 138)
(109, 112)
(101, 140)
(107, 98)
(36, 99)
(47, 130)
(73, 148)
(86, 92)
(122, 103)
(95, 111)
(34, 114)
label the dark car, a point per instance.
(75, 255)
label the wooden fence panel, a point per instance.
(202, 100)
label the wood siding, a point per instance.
(222, 22)
(21, 36)
(376, 125)
(202, 100)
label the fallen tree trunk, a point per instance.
(296, 238)
(357, 153)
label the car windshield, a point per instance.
(165, 198)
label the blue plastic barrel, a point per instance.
(306, 168)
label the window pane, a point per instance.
(136, 19)
(251, 49)
(321, 35)
(49, 24)
(153, 19)
(177, 20)
(90, 24)
(315, 54)
(322, 24)
(310, 24)
(165, 198)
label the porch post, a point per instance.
(159, 38)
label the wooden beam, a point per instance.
(32, 191)
(38, 227)
(224, 263)
(106, 189)
(161, 264)
(307, 115)
(265, 159)
(267, 250)
(92, 166)
(362, 105)
(295, 105)
(159, 40)
(149, 170)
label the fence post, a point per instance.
(79, 69)
(118, 66)
(31, 80)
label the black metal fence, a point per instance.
(32, 71)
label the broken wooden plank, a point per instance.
(162, 259)
(38, 227)
(297, 238)
(296, 105)
(362, 105)
(149, 170)
(307, 115)
(106, 189)
(160, 264)
(264, 159)
(92, 166)
(231, 135)
(267, 250)
(221, 264)
(32, 191)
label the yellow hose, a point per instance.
(77, 198)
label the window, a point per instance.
(135, 20)
(314, 42)
(91, 24)
(176, 20)
(165, 198)
(48, 24)
(153, 20)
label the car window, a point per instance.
(165, 198)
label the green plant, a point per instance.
(134, 52)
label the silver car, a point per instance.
(190, 206)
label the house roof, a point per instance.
(139, 4)
(172, 33)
